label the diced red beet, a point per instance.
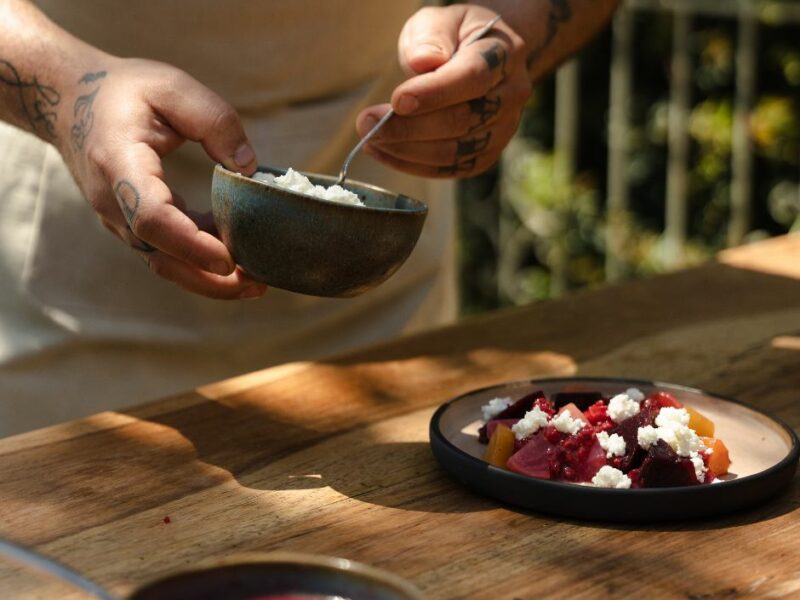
(532, 459)
(492, 425)
(662, 467)
(581, 399)
(629, 430)
(574, 411)
(588, 468)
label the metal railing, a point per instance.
(749, 15)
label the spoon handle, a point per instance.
(375, 128)
(31, 558)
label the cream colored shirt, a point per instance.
(84, 326)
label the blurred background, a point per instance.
(675, 134)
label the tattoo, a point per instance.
(460, 167)
(560, 13)
(128, 198)
(473, 145)
(92, 77)
(82, 111)
(495, 57)
(485, 108)
(38, 101)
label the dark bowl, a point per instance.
(310, 246)
(247, 577)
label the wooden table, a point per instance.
(333, 457)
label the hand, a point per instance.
(127, 116)
(456, 113)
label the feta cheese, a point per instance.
(613, 444)
(494, 407)
(634, 394)
(532, 422)
(609, 477)
(670, 417)
(297, 182)
(621, 407)
(566, 424)
(647, 436)
(699, 466)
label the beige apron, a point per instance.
(84, 326)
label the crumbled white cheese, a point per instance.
(621, 407)
(609, 477)
(647, 436)
(613, 444)
(699, 466)
(564, 423)
(672, 427)
(532, 422)
(494, 407)
(297, 182)
(634, 394)
(670, 417)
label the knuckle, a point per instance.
(225, 117)
(146, 225)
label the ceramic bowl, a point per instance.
(280, 575)
(310, 246)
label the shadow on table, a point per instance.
(262, 452)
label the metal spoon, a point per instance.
(31, 558)
(343, 172)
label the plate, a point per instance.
(764, 452)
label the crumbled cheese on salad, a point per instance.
(621, 407)
(613, 444)
(494, 407)
(565, 423)
(609, 477)
(532, 422)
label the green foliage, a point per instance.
(529, 233)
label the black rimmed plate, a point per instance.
(764, 452)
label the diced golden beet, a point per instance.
(501, 446)
(703, 426)
(573, 410)
(719, 461)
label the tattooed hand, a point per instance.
(120, 121)
(453, 116)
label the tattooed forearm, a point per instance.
(560, 13)
(495, 57)
(37, 101)
(82, 111)
(485, 108)
(128, 198)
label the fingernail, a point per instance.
(407, 104)
(244, 155)
(254, 291)
(221, 268)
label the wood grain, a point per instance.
(332, 457)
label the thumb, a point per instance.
(200, 115)
(429, 38)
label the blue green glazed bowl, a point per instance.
(310, 246)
